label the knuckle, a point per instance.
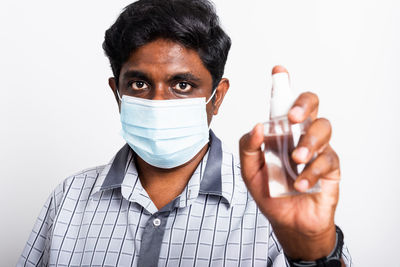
(332, 159)
(316, 172)
(303, 94)
(336, 159)
(312, 96)
(325, 122)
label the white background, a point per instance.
(58, 116)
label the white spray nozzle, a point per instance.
(282, 95)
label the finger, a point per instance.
(326, 163)
(278, 69)
(251, 156)
(314, 141)
(306, 105)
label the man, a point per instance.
(173, 195)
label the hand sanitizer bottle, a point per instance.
(281, 138)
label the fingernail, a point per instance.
(302, 185)
(301, 153)
(297, 113)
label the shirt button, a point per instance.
(156, 222)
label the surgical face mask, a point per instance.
(165, 133)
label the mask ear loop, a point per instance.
(212, 95)
(119, 96)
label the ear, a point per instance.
(113, 85)
(221, 90)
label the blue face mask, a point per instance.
(165, 133)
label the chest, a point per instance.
(116, 232)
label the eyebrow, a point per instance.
(185, 76)
(137, 74)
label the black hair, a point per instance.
(191, 23)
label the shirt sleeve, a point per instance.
(276, 256)
(36, 250)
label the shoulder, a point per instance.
(86, 176)
(77, 186)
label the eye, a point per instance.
(183, 86)
(138, 85)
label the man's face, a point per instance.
(164, 69)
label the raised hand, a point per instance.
(303, 223)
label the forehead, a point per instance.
(167, 57)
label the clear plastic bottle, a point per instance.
(281, 137)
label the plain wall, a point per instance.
(58, 116)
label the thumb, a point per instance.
(251, 156)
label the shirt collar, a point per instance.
(114, 173)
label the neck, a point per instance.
(164, 185)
